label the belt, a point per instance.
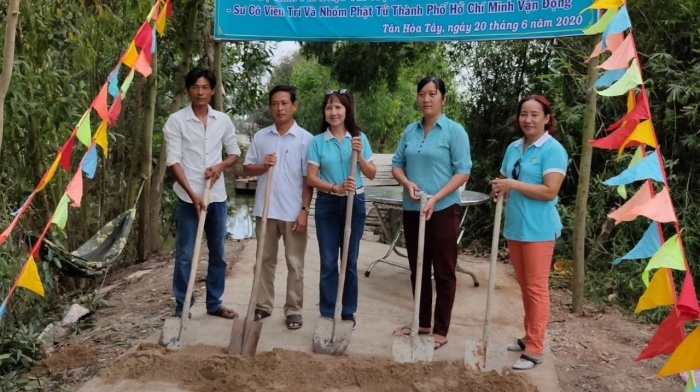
(358, 191)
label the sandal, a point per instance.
(224, 312)
(294, 321)
(519, 345)
(526, 362)
(260, 314)
(406, 330)
(437, 344)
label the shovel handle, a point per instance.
(492, 268)
(261, 247)
(195, 256)
(419, 264)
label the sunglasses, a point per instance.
(342, 91)
(516, 170)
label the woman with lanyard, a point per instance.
(329, 172)
(532, 172)
(433, 156)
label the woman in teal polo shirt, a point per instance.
(532, 172)
(329, 172)
(433, 156)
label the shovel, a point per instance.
(246, 333)
(414, 348)
(479, 354)
(332, 336)
(178, 333)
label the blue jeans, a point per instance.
(330, 225)
(215, 230)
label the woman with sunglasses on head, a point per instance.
(532, 172)
(329, 172)
(433, 156)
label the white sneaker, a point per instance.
(518, 345)
(526, 362)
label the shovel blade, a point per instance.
(481, 357)
(474, 354)
(407, 348)
(245, 335)
(330, 337)
(175, 335)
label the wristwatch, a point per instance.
(307, 209)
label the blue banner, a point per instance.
(399, 20)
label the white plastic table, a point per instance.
(391, 197)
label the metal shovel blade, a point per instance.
(476, 356)
(332, 337)
(175, 335)
(410, 348)
(244, 337)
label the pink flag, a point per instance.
(612, 42)
(143, 65)
(100, 103)
(75, 188)
(625, 212)
(115, 110)
(659, 208)
(621, 56)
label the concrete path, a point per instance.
(384, 303)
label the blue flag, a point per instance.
(114, 83)
(619, 23)
(646, 247)
(647, 168)
(90, 162)
(610, 77)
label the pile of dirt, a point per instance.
(70, 357)
(209, 368)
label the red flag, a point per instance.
(115, 110)
(100, 103)
(66, 152)
(617, 138)
(144, 36)
(639, 112)
(666, 339)
(169, 9)
(688, 300)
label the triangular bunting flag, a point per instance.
(666, 339)
(30, 277)
(154, 12)
(127, 82)
(89, 164)
(143, 65)
(101, 138)
(604, 4)
(66, 152)
(100, 103)
(622, 56)
(659, 292)
(9, 228)
(114, 82)
(75, 188)
(637, 157)
(646, 247)
(619, 23)
(669, 256)
(21, 209)
(168, 9)
(143, 36)
(624, 213)
(84, 134)
(602, 23)
(685, 357)
(130, 56)
(610, 77)
(153, 42)
(49, 174)
(160, 23)
(611, 43)
(659, 208)
(60, 216)
(614, 140)
(648, 168)
(688, 300)
(690, 384)
(631, 79)
(643, 133)
(115, 110)
(639, 111)
(3, 307)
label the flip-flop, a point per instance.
(294, 321)
(260, 314)
(408, 328)
(439, 344)
(223, 312)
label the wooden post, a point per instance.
(8, 58)
(144, 247)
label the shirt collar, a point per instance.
(440, 122)
(328, 135)
(192, 116)
(538, 143)
(294, 130)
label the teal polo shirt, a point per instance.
(430, 162)
(333, 157)
(529, 219)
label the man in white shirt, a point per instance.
(283, 145)
(194, 138)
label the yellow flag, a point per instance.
(101, 138)
(160, 23)
(659, 292)
(669, 256)
(602, 23)
(60, 216)
(131, 55)
(30, 278)
(631, 79)
(685, 357)
(605, 4)
(49, 174)
(83, 133)
(643, 133)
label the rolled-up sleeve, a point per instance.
(172, 132)
(229, 140)
(460, 151)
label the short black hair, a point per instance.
(434, 79)
(286, 88)
(197, 73)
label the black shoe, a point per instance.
(349, 318)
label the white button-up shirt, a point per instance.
(197, 147)
(288, 175)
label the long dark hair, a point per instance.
(344, 99)
(550, 127)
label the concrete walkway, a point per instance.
(384, 303)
